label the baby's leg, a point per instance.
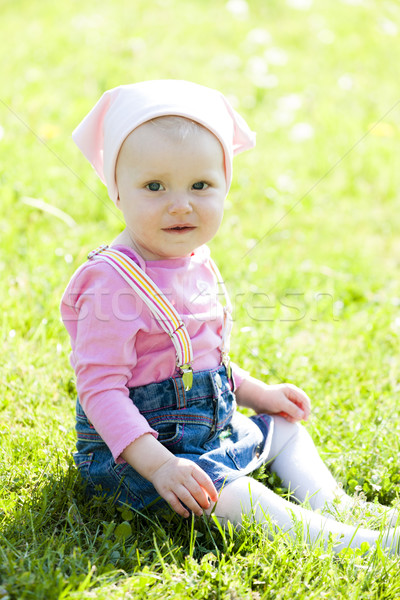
(251, 497)
(294, 457)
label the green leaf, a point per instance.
(123, 530)
(127, 514)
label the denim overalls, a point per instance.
(198, 422)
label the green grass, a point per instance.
(309, 249)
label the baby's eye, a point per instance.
(154, 186)
(200, 185)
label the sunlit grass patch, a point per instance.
(309, 249)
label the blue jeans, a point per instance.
(201, 425)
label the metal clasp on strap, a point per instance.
(97, 251)
(226, 361)
(187, 376)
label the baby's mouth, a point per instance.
(180, 228)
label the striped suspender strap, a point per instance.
(156, 301)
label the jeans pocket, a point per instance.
(169, 431)
(241, 457)
(83, 462)
(246, 443)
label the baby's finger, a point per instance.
(174, 503)
(300, 398)
(286, 416)
(186, 497)
(292, 412)
(199, 494)
(205, 482)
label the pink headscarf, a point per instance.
(120, 110)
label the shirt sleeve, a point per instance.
(103, 315)
(238, 374)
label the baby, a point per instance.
(156, 419)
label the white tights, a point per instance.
(295, 459)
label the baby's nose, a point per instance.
(180, 203)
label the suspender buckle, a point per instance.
(187, 376)
(226, 361)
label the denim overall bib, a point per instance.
(195, 416)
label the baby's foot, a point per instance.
(359, 509)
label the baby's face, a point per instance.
(171, 191)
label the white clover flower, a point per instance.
(276, 56)
(388, 27)
(301, 132)
(345, 82)
(259, 36)
(238, 8)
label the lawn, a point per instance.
(309, 249)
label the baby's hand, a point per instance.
(180, 480)
(288, 401)
(283, 399)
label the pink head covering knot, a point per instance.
(120, 110)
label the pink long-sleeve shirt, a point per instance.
(117, 343)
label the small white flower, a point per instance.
(388, 27)
(276, 56)
(396, 324)
(282, 118)
(285, 183)
(33, 74)
(258, 36)
(338, 306)
(238, 8)
(250, 243)
(257, 66)
(287, 106)
(345, 82)
(12, 333)
(290, 102)
(1, 132)
(138, 45)
(271, 193)
(301, 132)
(303, 361)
